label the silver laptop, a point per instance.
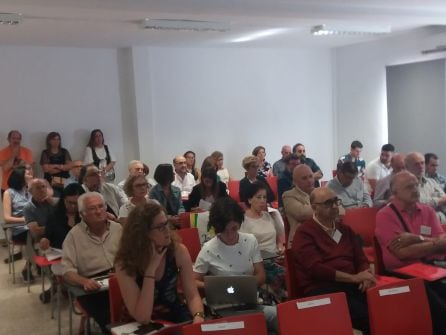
(223, 292)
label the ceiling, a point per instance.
(116, 23)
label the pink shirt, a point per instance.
(388, 227)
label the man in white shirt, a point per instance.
(184, 180)
(379, 168)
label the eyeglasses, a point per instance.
(330, 202)
(162, 228)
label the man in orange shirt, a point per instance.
(13, 156)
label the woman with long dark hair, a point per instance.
(98, 154)
(205, 193)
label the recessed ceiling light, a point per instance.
(10, 18)
(259, 34)
(187, 25)
(323, 30)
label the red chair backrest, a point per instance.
(362, 221)
(272, 182)
(318, 315)
(399, 308)
(380, 269)
(253, 324)
(115, 298)
(234, 187)
(191, 239)
(290, 275)
(185, 219)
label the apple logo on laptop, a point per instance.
(230, 290)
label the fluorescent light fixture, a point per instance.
(186, 25)
(259, 34)
(11, 19)
(323, 30)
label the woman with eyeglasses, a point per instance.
(148, 264)
(270, 236)
(136, 188)
(55, 162)
(251, 165)
(231, 252)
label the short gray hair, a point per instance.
(83, 197)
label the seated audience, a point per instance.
(382, 191)
(231, 252)
(136, 188)
(149, 262)
(299, 150)
(328, 257)
(55, 162)
(431, 161)
(354, 156)
(270, 236)
(74, 173)
(264, 169)
(379, 168)
(204, 194)
(279, 166)
(113, 195)
(60, 222)
(190, 164)
(168, 195)
(136, 168)
(251, 165)
(15, 199)
(99, 155)
(89, 250)
(13, 156)
(348, 187)
(296, 201)
(285, 180)
(38, 210)
(222, 172)
(409, 231)
(183, 179)
(431, 192)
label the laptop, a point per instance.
(230, 293)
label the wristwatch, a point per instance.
(200, 314)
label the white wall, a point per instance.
(360, 88)
(232, 100)
(69, 90)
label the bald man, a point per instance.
(184, 180)
(296, 201)
(279, 166)
(409, 231)
(431, 192)
(382, 190)
(328, 257)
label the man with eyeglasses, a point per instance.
(299, 150)
(136, 168)
(349, 188)
(89, 251)
(328, 257)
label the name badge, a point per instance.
(337, 236)
(425, 230)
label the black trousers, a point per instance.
(97, 306)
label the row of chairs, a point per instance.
(394, 309)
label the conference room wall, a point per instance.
(360, 103)
(231, 100)
(70, 90)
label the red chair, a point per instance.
(290, 275)
(380, 269)
(245, 324)
(185, 219)
(362, 221)
(191, 239)
(234, 187)
(399, 309)
(318, 315)
(272, 182)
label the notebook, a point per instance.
(424, 271)
(226, 292)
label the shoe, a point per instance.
(25, 277)
(45, 296)
(13, 258)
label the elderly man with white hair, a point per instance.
(136, 168)
(88, 251)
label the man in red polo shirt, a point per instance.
(13, 156)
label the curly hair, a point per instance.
(128, 185)
(135, 247)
